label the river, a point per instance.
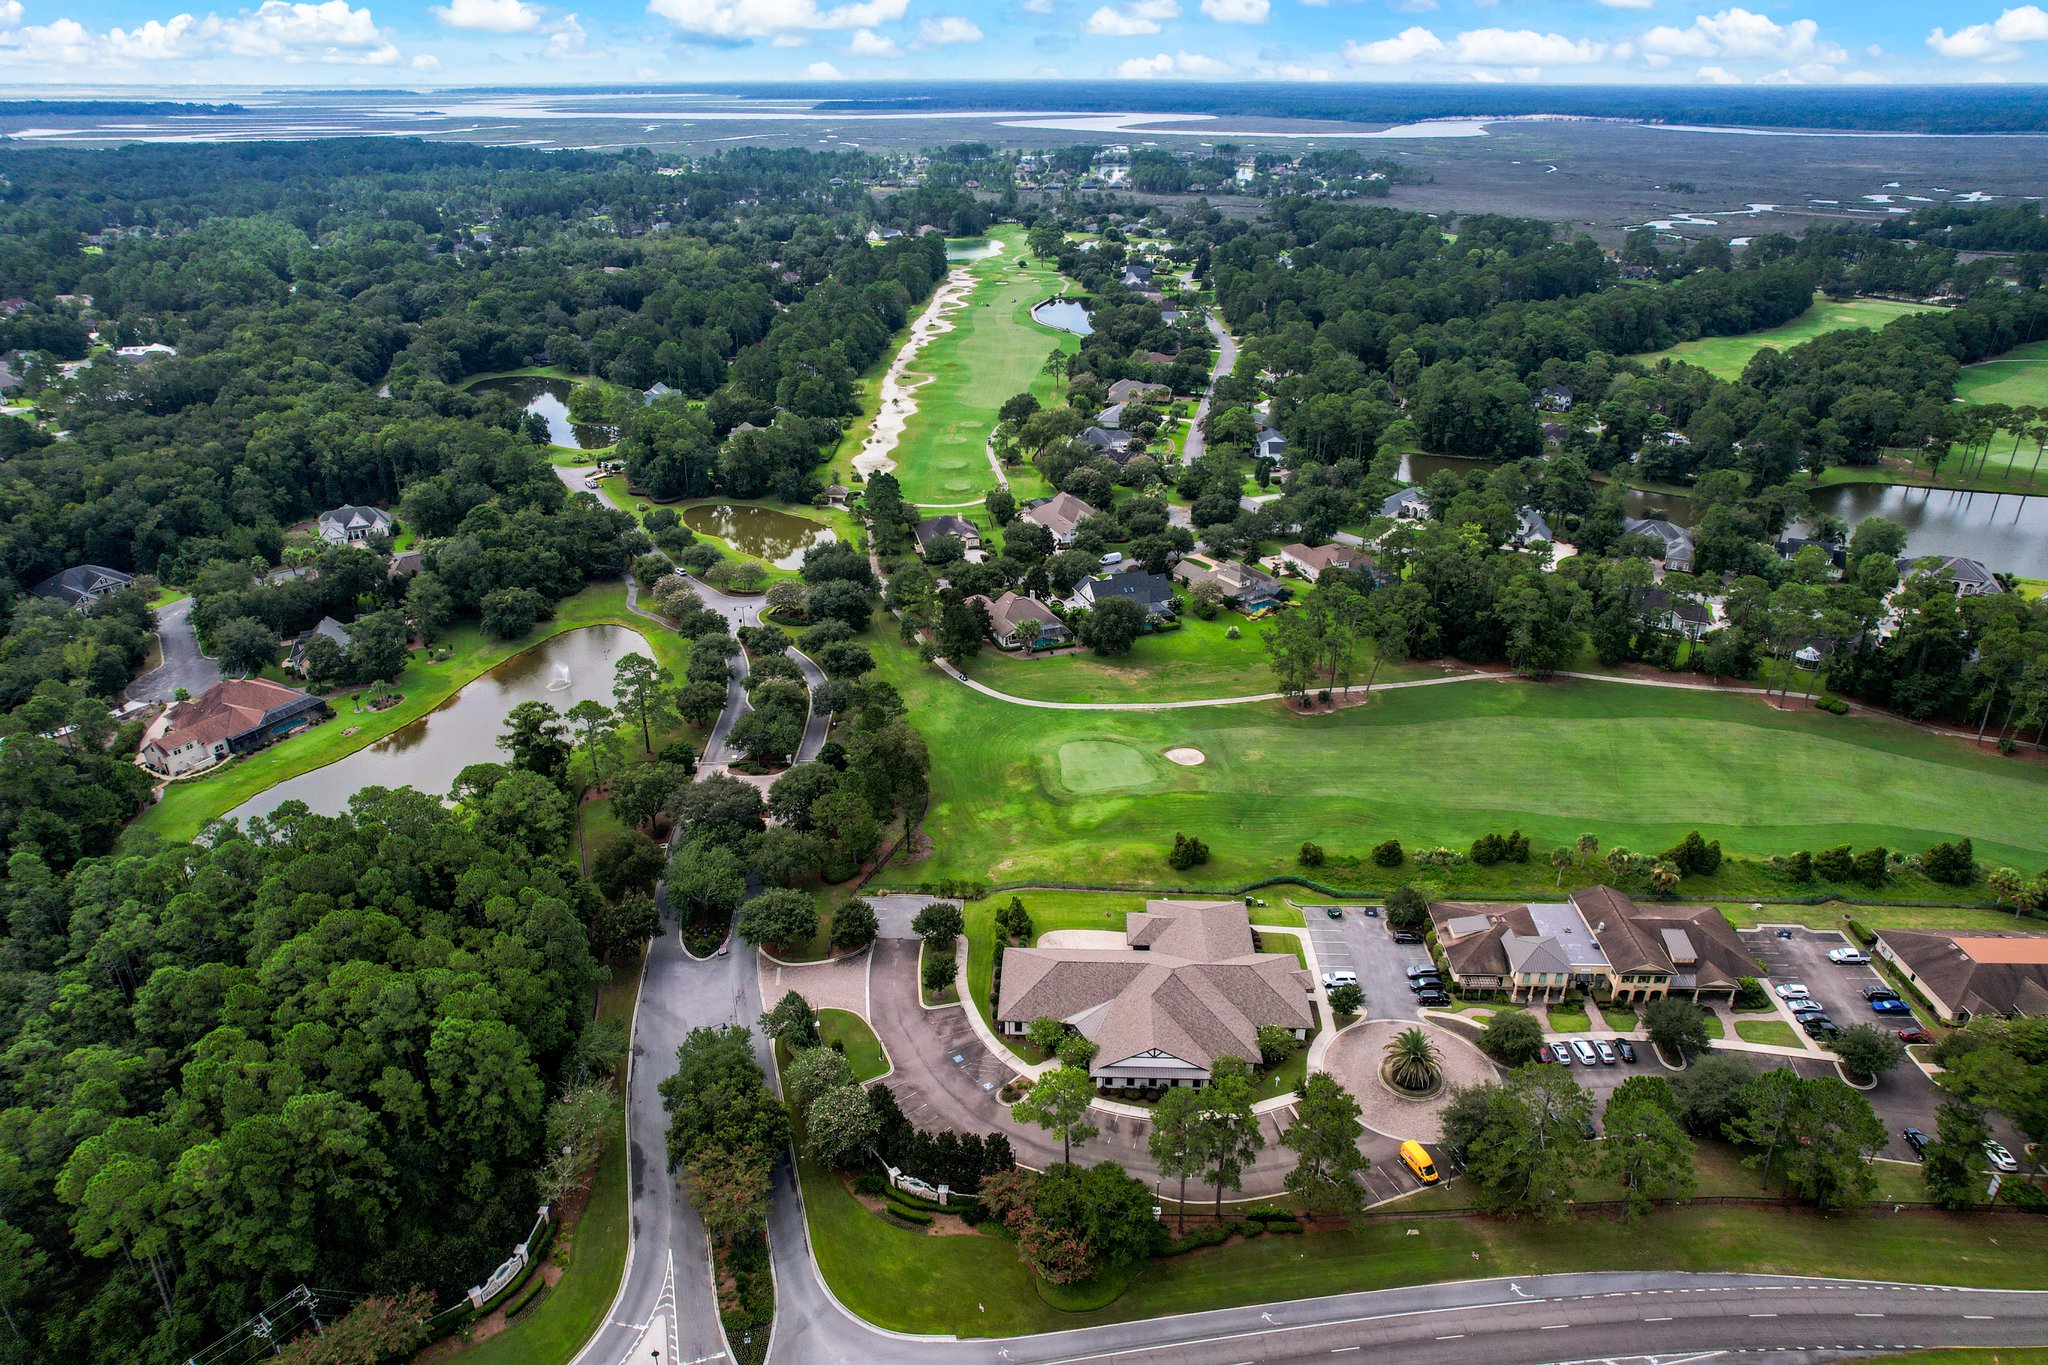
(464, 729)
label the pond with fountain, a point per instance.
(578, 665)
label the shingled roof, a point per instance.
(1982, 971)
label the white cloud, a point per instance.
(1739, 34)
(330, 33)
(10, 13)
(303, 32)
(1178, 64)
(568, 40)
(1521, 47)
(822, 71)
(1718, 75)
(790, 40)
(489, 16)
(1993, 41)
(868, 43)
(426, 61)
(1409, 45)
(1134, 19)
(765, 18)
(947, 29)
(1237, 11)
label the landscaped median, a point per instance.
(187, 806)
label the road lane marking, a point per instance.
(1656, 1319)
(1554, 1327)
(1341, 1350)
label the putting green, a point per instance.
(2018, 378)
(1099, 765)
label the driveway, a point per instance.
(1363, 944)
(183, 665)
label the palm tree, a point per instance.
(1560, 858)
(1589, 844)
(1412, 1061)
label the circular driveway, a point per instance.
(1354, 1059)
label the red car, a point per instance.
(1543, 1054)
(1915, 1035)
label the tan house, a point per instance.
(1059, 514)
(1016, 622)
(1312, 561)
(1963, 975)
(1598, 941)
(1186, 987)
(238, 716)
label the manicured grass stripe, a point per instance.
(2017, 378)
(862, 1048)
(1725, 357)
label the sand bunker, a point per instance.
(1187, 758)
(898, 400)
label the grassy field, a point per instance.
(1745, 915)
(1725, 357)
(187, 806)
(564, 1320)
(973, 1286)
(1023, 793)
(993, 352)
(2018, 378)
(1773, 1032)
(862, 1048)
(1196, 661)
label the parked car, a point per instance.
(1915, 1139)
(1341, 976)
(1784, 933)
(1848, 957)
(1560, 1054)
(1803, 1006)
(1791, 989)
(1916, 1034)
(1372, 912)
(1416, 1158)
(1586, 1129)
(1423, 969)
(1892, 1006)
(1996, 1154)
(1608, 1056)
(1820, 1026)
(1433, 998)
(1583, 1050)
(1879, 993)
(1626, 1049)
(1543, 1053)
(1426, 983)
(1334, 911)
(1407, 936)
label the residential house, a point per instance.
(1970, 577)
(1112, 417)
(1967, 973)
(1554, 399)
(1686, 615)
(1271, 446)
(1678, 552)
(352, 525)
(406, 563)
(1410, 504)
(1554, 433)
(1016, 622)
(1598, 941)
(1151, 591)
(1530, 526)
(82, 584)
(1186, 987)
(238, 716)
(1312, 562)
(1136, 390)
(1137, 276)
(1108, 441)
(1788, 547)
(1250, 590)
(328, 628)
(1059, 514)
(835, 495)
(935, 528)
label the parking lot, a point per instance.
(1804, 958)
(1361, 943)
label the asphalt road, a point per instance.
(1361, 943)
(183, 665)
(1226, 359)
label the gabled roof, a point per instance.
(82, 584)
(1131, 390)
(1997, 971)
(1148, 590)
(1011, 612)
(931, 528)
(1059, 514)
(1322, 557)
(1407, 497)
(350, 517)
(1964, 573)
(223, 711)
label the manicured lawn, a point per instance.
(1715, 1029)
(564, 1320)
(1744, 915)
(1717, 1169)
(1774, 1032)
(993, 353)
(2018, 378)
(1725, 357)
(1568, 1019)
(186, 806)
(862, 1048)
(1196, 661)
(1023, 793)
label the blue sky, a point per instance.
(446, 42)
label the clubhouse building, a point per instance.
(1965, 974)
(1598, 941)
(1185, 986)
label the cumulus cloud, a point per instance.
(1237, 11)
(324, 33)
(568, 40)
(1718, 75)
(822, 71)
(766, 18)
(328, 32)
(1178, 64)
(1738, 33)
(868, 43)
(947, 29)
(1521, 48)
(1995, 41)
(426, 61)
(1134, 19)
(489, 16)
(1409, 45)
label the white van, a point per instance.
(1583, 1050)
(1112, 559)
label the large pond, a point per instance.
(1673, 508)
(550, 398)
(576, 666)
(1066, 315)
(961, 250)
(2009, 534)
(762, 532)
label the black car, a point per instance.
(1372, 912)
(1820, 1026)
(1917, 1140)
(1626, 1049)
(1423, 984)
(1407, 936)
(1433, 997)
(1879, 993)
